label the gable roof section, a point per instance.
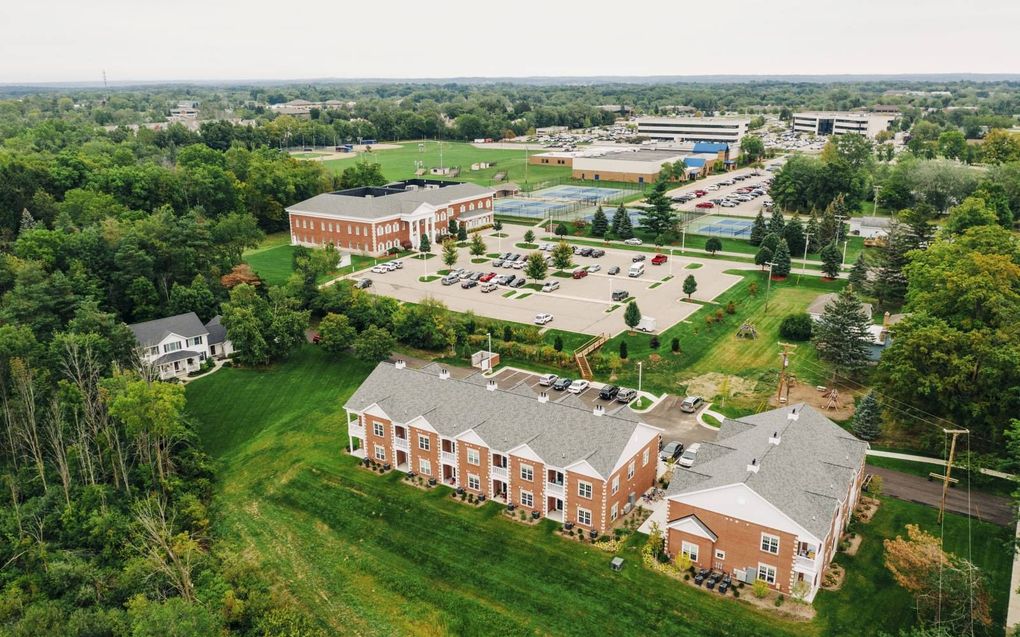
(153, 332)
(561, 435)
(217, 332)
(692, 525)
(334, 204)
(806, 476)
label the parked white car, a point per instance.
(542, 319)
(397, 264)
(687, 459)
(547, 380)
(551, 286)
(578, 386)
(380, 269)
(633, 241)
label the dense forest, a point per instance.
(106, 520)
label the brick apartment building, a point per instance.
(372, 220)
(768, 499)
(561, 458)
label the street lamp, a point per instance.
(807, 241)
(639, 379)
(874, 210)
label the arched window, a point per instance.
(471, 206)
(462, 207)
(488, 203)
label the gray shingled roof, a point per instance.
(822, 300)
(805, 476)
(179, 355)
(152, 332)
(340, 205)
(504, 419)
(217, 332)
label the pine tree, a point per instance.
(758, 229)
(829, 227)
(632, 315)
(626, 230)
(831, 259)
(777, 224)
(843, 335)
(812, 233)
(690, 285)
(451, 227)
(425, 245)
(890, 284)
(763, 256)
(867, 422)
(461, 232)
(781, 260)
(771, 241)
(794, 235)
(449, 253)
(859, 273)
(599, 223)
(659, 218)
(623, 350)
(618, 217)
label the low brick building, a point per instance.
(561, 458)
(373, 220)
(768, 499)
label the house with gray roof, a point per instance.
(768, 499)
(377, 219)
(564, 460)
(176, 346)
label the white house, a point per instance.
(175, 346)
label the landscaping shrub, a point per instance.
(796, 327)
(654, 342)
(623, 350)
(779, 601)
(558, 343)
(731, 308)
(759, 589)
(508, 333)
(674, 345)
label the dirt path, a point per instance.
(990, 508)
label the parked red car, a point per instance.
(700, 193)
(487, 277)
(705, 204)
(658, 259)
(580, 274)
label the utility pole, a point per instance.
(949, 467)
(839, 235)
(807, 241)
(784, 378)
(768, 286)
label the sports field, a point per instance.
(714, 225)
(402, 162)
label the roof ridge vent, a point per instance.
(444, 374)
(491, 385)
(599, 410)
(793, 415)
(774, 438)
(543, 397)
(753, 467)
(400, 363)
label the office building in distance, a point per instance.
(729, 130)
(840, 123)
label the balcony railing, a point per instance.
(356, 430)
(805, 564)
(448, 458)
(553, 489)
(500, 473)
(400, 443)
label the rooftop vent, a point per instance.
(753, 467)
(444, 373)
(774, 438)
(599, 410)
(793, 415)
(400, 364)
(491, 385)
(543, 397)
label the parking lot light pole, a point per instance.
(768, 286)
(639, 379)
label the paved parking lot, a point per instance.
(744, 209)
(579, 305)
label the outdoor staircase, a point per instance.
(581, 354)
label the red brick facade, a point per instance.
(599, 505)
(379, 235)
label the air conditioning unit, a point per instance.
(628, 507)
(411, 187)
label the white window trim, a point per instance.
(477, 456)
(767, 568)
(583, 513)
(530, 470)
(630, 470)
(380, 452)
(530, 497)
(424, 443)
(720, 555)
(583, 486)
(378, 429)
(614, 512)
(616, 484)
(644, 458)
(477, 480)
(425, 466)
(690, 549)
(769, 550)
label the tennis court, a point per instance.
(578, 193)
(529, 207)
(721, 226)
(633, 213)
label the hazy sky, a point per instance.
(54, 40)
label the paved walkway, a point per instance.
(714, 414)
(1013, 613)
(983, 506)
(912, 458)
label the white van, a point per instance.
(636, 270)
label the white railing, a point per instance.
(553, 489)
(805, 564)
(500, 473)
(448, 457)
(356, 430)
(400, 443)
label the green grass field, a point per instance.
(274, 264)
(707, 349)
(365, 554)
(400, 163)
(870, 602)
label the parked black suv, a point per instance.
(596, 253)
(637, 258)
(620, 295)
(609, 392)
(585, 252)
